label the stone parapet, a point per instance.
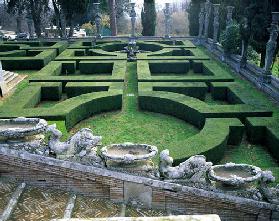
(119, 187)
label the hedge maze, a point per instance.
(80, 79)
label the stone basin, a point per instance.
(236, 175)
(21, 127)
(128, 153)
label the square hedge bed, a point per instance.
(59, 46)
(83, 71)
(90, 54)
(181, 71)
(178, 53)
(83, 100)
(32, 60)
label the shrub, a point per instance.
(230, 39)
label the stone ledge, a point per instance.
(167, 218)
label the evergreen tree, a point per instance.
(148, 18)
(193, 15)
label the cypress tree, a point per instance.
(148, 18)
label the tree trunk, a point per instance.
(63, 25)
(262, 59)
(70, 20)
(19, 23)
(112, 15)
(36, 18)
(57, 18)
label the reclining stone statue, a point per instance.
(81, 145)
(269, 194)
(194, 169)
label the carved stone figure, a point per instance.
(167, 20)
(271, 44)
(194, 169)
(207, 16)
(270, 194)
(216, 23)
(201, 21)
(79, 144)
(98, 19)
(133, 16)
(229, 15)
(245, 35)
(30, 24)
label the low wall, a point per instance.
(121, 187)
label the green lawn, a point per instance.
(131, 125)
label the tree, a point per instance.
(112, 15)
(35, 7)
(148, 18)
(70, 9)
(193, 16)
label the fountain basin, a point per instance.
(21, 127)
(236, 175)
(128, 153)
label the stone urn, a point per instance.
(23, 133)
(234, 175)
(130, 157)
(21, 127)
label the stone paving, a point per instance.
(38, 204)
(6, 190)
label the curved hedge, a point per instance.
(212, 140)
(193, 110)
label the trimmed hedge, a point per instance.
(212, 140)
(15, 53)
(51, 91)
(89, 67)
(157, 68)
(92, 54)
(74, 89)
(193, 110)
(72, 110)
(196, 90)
(28, 63)
(39, 45)
(56, 70)
(263, 131)
(206, 71)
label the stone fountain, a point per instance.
(131, 49)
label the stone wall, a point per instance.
(251, 72)
(120, 187)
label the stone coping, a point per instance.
(167, 218)
(47, 161)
